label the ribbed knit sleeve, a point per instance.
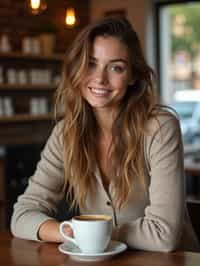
(161, 226)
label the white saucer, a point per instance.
(114, 248)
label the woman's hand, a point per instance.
(49, 231)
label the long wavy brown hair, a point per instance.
(80, 127)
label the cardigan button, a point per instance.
(108, 203)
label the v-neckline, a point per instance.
(107, 191)
(100, 177)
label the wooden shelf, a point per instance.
(25, 118)
(6, 87)
(19, 55)
(23, 127)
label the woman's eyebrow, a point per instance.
(119, 60)
(111, 61)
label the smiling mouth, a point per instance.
(99, 91)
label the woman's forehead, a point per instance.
(109, 47)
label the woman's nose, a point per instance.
(100, 76)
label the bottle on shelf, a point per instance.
(8, 107)
(5, 45)
(11, 76)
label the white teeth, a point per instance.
(99, 91)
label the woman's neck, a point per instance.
(105, 121)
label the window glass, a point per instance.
(179, 42)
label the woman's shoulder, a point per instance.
(57, 132)
(162, 119)
(59, 125)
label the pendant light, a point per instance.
(70, 18)
(35, 7)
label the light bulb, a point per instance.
(70, 18)
(36, 6)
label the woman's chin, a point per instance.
(97, 104)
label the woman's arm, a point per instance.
(38, 205)
(49, 231)
(160, 229)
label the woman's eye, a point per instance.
(117, 69)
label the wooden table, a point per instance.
(19, 252)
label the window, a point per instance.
(179, 61)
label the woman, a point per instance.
(115, 151)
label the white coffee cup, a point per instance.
(92, 233)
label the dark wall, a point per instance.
(21, 162)
(17, 22)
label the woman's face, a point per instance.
(108, 75)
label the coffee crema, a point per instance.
(92, 218)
